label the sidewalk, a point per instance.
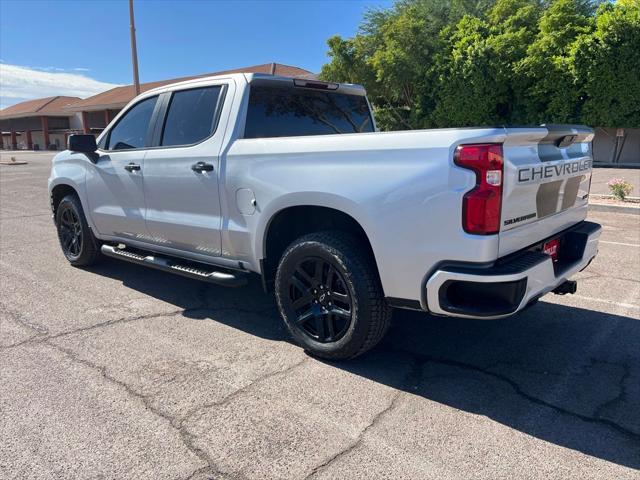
(26, 152)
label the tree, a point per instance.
(546, 89)
(453, 63)
(394, 54)
(476, 83)
(608, 62)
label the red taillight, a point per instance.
(481, 206)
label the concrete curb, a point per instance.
(604, 207)
(599, 196)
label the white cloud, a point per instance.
(57, 69)
(19, 83)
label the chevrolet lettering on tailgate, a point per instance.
(531, 174)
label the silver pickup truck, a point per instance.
(222, 177)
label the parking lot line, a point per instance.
(610, 302)
(620, 243)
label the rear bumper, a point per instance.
(508, 286)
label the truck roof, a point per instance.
(302, 82)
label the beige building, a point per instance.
(39, 124)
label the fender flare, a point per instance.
(310, 199)
(80, 191)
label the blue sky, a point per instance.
(61, 47)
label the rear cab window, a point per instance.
(288, 111)
(191, 116)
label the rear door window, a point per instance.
(131, 130)
(288, 112)
(191, 116)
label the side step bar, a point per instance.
(227, 279)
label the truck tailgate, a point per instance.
(547, 176)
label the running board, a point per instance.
(227, 279)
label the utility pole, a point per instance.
(134, 49)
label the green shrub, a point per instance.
(620, 188)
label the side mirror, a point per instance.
(84, 144)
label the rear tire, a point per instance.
(330, 297)
(76, 238)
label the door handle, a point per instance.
(132, 167)
(202, 167)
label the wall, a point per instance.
(96, 120)
(38, 139)
(611, 149)
(58, 140)
(75, 122)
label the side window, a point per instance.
(191, 116)
(288, 111)
(131, 129)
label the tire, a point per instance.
(76, 238)
(330, 297)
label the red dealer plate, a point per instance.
(552, 247)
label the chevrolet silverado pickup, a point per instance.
(223, 177)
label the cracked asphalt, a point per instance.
(121, 372)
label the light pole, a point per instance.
(134, 50)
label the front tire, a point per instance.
(330, 297)
(78, 244)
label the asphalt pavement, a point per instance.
(118, 371)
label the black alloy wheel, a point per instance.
(320, 300)
(79, 245)
(70, 229)
(330, 296)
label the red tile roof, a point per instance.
(118, 97)
(52, 106)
